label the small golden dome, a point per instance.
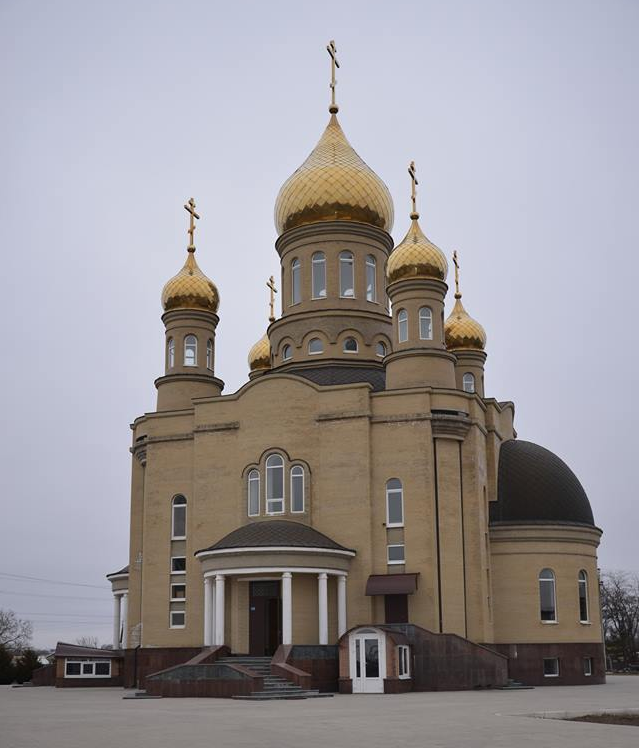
(462, 331)
(333, 184)
(416, 256)
(260, 355)
(190, 289)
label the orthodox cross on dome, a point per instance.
(190, 208)
(456, 264)
(332, 51)
(413, 191)
(271, 286)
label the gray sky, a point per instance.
(522, 118)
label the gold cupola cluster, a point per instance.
(416, 256)
(461, 331)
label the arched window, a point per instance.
(380, 349)
(171, 353)
(468, 382)
(583, 597)
(350, 346)
(296, 281)
(178, 518)
(318, 273)
(402, 325)
(297, 488)
(253, 493)
(287, 353)
(547, 599)
(190, 350)
(371, 278)
(315, 345)
(274, 485)
(209, 354)
(425, 323)
(346, 275)
(394, 503)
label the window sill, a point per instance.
(549, 623)
(396, 563)
(551, 676)
(177, 627)
(585, 623)
(178, 572)
(404, 677)
(178, 537)
(391, 525)
(177, 599)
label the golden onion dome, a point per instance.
(462, 331)
(333, 184)
(416, 256)
(259, 357)
(190, 289)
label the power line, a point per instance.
(54, 597)
(51, 581)
(65, 615)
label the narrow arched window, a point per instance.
(402, 325)
(350, 346)
(274, 485)
(394, 503)
(171, 353)
(425, 323)
(318, 275)
(209, 355)
(346, 275)
(178, 518)
(380, 349)
(315, 345)
(468, 382)
(371, 278)
(547, 598)
(297, 488)
(296, 281)
(583, 597)
(287, 353)
(190, 350)
(253, 493)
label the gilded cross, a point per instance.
(413, 191)
(332, 51)
(190, 208)
(456, 263)
(271, 285)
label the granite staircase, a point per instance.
(275, 687)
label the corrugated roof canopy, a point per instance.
(391, 584)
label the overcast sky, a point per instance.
(522, 118)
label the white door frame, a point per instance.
(364, 682)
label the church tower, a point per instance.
(190, 302)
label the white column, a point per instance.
(116, 621)
(341, 605)
(322, 596)
(287, 608)
(207, 611)
(212, 627)
(219, 609)
(125, 616)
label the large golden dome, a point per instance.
(416, 256)
(333, 184)
(259, 357)
(462, 331)
(190, 289)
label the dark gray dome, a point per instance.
(534, 485)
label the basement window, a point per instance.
(551, 667)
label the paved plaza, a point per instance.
(100, 718)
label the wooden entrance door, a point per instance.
(265, 618)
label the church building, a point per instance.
(360, 516)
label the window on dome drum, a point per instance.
(402, 325)
(551, 667)
(396, 554)
(547, 600)
(287, 353)
(190, 350)
(171, 353)
(371, 278)
(380, 349)
(425, 323)
(87, 669)
(297, 488)
(178, 564)
(350, 346)
(587, 665)
(209, 355)
(178, 524)
(296, 281)
(253, 493)
(394, 503)
(178, 592)
(178, 619)
(274, 485)
(318, 273)
(403, 661)
(346, 275)
(583, 597)
(315, 346)
(468, 382)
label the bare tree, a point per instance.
(620, 612)
(15, 634)
(88, 641)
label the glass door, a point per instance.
(368, 661)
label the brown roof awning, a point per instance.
(391, 584)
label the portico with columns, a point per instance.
(120, 588)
